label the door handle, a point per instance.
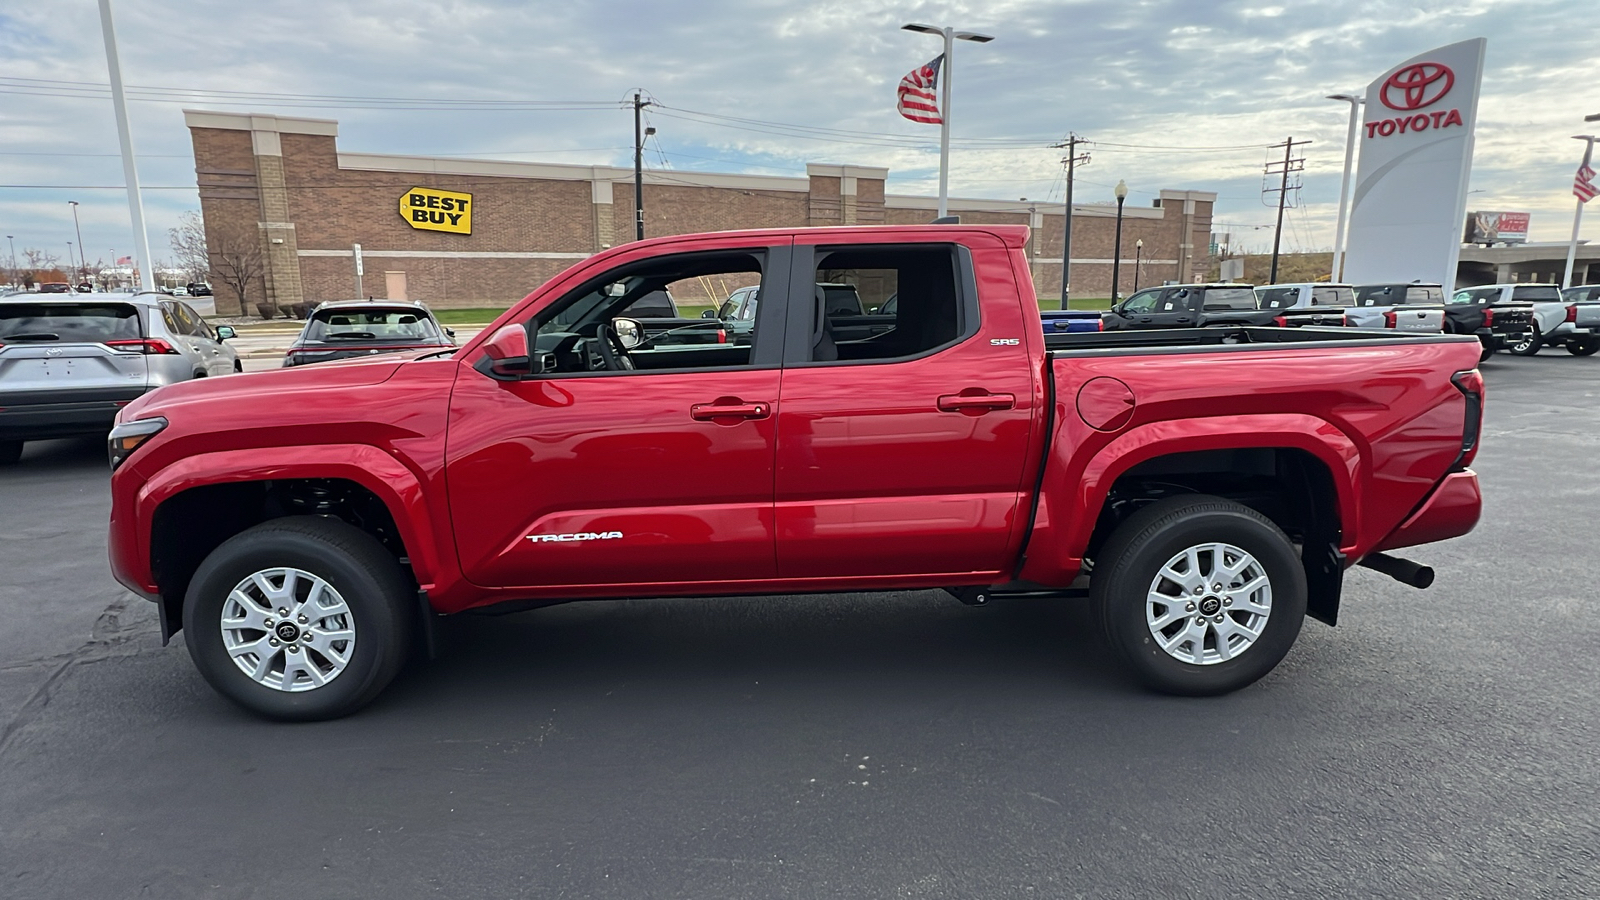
(728, 409)
(976, 402)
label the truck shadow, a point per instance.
(67, 455)
(914, 641)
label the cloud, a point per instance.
(1152, 73)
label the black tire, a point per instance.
(1132, 559)
(10, 452)
(238, 367)
(1526, 345)
(1587, 347)
(1485, 353)
(364, 574)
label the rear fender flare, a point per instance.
(1318, 437)
(379, 472)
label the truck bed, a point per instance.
(1219, 337)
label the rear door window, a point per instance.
(1332, 296)
(65, 323)
(1230, 298)
(1275, 298)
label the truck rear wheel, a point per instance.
(1527, 343)
(1200, 595)
(1585, 347)
(300, 618)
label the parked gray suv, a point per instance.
(69, 362)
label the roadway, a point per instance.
(1437, 743)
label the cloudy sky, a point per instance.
(1176, 93)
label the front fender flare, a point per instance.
(387, 477)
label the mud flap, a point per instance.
(1324, 581)
(171, 619)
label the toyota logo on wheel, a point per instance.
(1416, 86)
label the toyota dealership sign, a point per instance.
(1416, 156)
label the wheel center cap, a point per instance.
(287, 631)
(1209, 606)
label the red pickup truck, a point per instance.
(1204, 489)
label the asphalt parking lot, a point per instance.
(1438, 743)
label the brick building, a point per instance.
(278, 190)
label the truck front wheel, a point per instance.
(1200, 595)
(300, 619)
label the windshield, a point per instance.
(1536, 292)
(842, 299)
(1332, 296)
(1230, 298)
(347, 324)
(654, 305)
(68, 322)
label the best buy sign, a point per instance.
(435, 210)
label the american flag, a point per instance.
(124, 260)
(1583, 185)
(919, 93)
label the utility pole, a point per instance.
(1289, 164)
(638, 165)
(1072, 159)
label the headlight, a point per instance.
(127, 436)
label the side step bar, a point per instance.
(1402, 570)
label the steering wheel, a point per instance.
(612, 353)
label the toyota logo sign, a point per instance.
(1416, 86)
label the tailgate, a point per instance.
(1588, 314)
(67, 352)
(1430, 321)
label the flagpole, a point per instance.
(1577, 215)
(944, 121)
(130, 172)
(950, 36)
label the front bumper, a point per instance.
(1451, 511)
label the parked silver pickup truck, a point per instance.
(1583, 312)
(1554, 322)
(1403, 307)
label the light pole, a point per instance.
(1138, 260)
(130, 172)
(83, 264)
(1116, 252)
(13, 272)
(1577, 214)
(950, 36)
(70, 263)
(1344, 185)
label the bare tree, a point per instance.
(39, 262)
(239, 262)
(189, 246)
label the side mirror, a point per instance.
(709, 314)
(872, 310)
(629, 332)
(507, 352)
(450, 333)
(225, 331)
(616, 289)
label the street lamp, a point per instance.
(638, 165)
(950, 36)
(1344, 185)
(1116, 252)
(69, 262)
(1138, 260)
(83, 264)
